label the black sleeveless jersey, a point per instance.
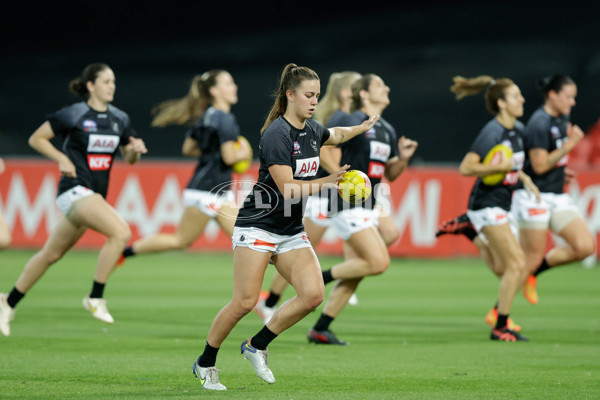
(499, 195)
(549, 133)
(369, 153)
(282, 144)
(211, 130)
(91, 139)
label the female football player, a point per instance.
(549, 137)
(269, 224)
(379, 154)
(489, 204)
(214, 141)
(93, 130)
(331, 110)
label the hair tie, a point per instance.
(491, 83)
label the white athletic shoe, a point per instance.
(264, 312)
(98, 309)
(209, 377)
(7, 314)
(258, 359)
(353, 300)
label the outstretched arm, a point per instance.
(340, 134)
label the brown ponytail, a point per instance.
(494, 89)
(188, 108)
(90, 73)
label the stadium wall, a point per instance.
(148, 197)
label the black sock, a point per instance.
(261, 340)
(502, 321)
(128, 252)
(14, 297)
(470, 233)
(209, 357)
(327, 276)
(543, 267)
(97, 290)
(272, 299)
(323, 323)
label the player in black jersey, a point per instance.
(93, 131)
(269, 224)
(549, 137)
(333, 107)
(213, 139)
(489, 205)
(5, 236)
(380, 154)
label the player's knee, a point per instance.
(243, 307)
(314, 300)
(51, 256)
(584, 248)
(122, 234)
(379, 264)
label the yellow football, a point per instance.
(494, 157)
(355, 186)
(242, 166)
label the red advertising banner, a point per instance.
(148, 196)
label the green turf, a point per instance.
(418, 332)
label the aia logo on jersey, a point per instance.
(296, 149)
(376, 170)
(90, 125)
(370, 133)
(379, 151)
(99, 163)
(306, 167)
(102, 143)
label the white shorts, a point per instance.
(317, 209)
(207, 202)
(267, 242)
(555, 211)
(348, 222)
(488, 216)
(66, 199)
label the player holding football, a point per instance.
(212, 140)
(379, 154)
(333, 107)
(489, 204)
(269, 224)
(93, 130)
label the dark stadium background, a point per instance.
(155, 47)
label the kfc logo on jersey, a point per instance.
(99, 163)
(90, 125)
(306, 167)
(379, 151)
(102, 143)
(376, 169)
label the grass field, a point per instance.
(418, 332)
